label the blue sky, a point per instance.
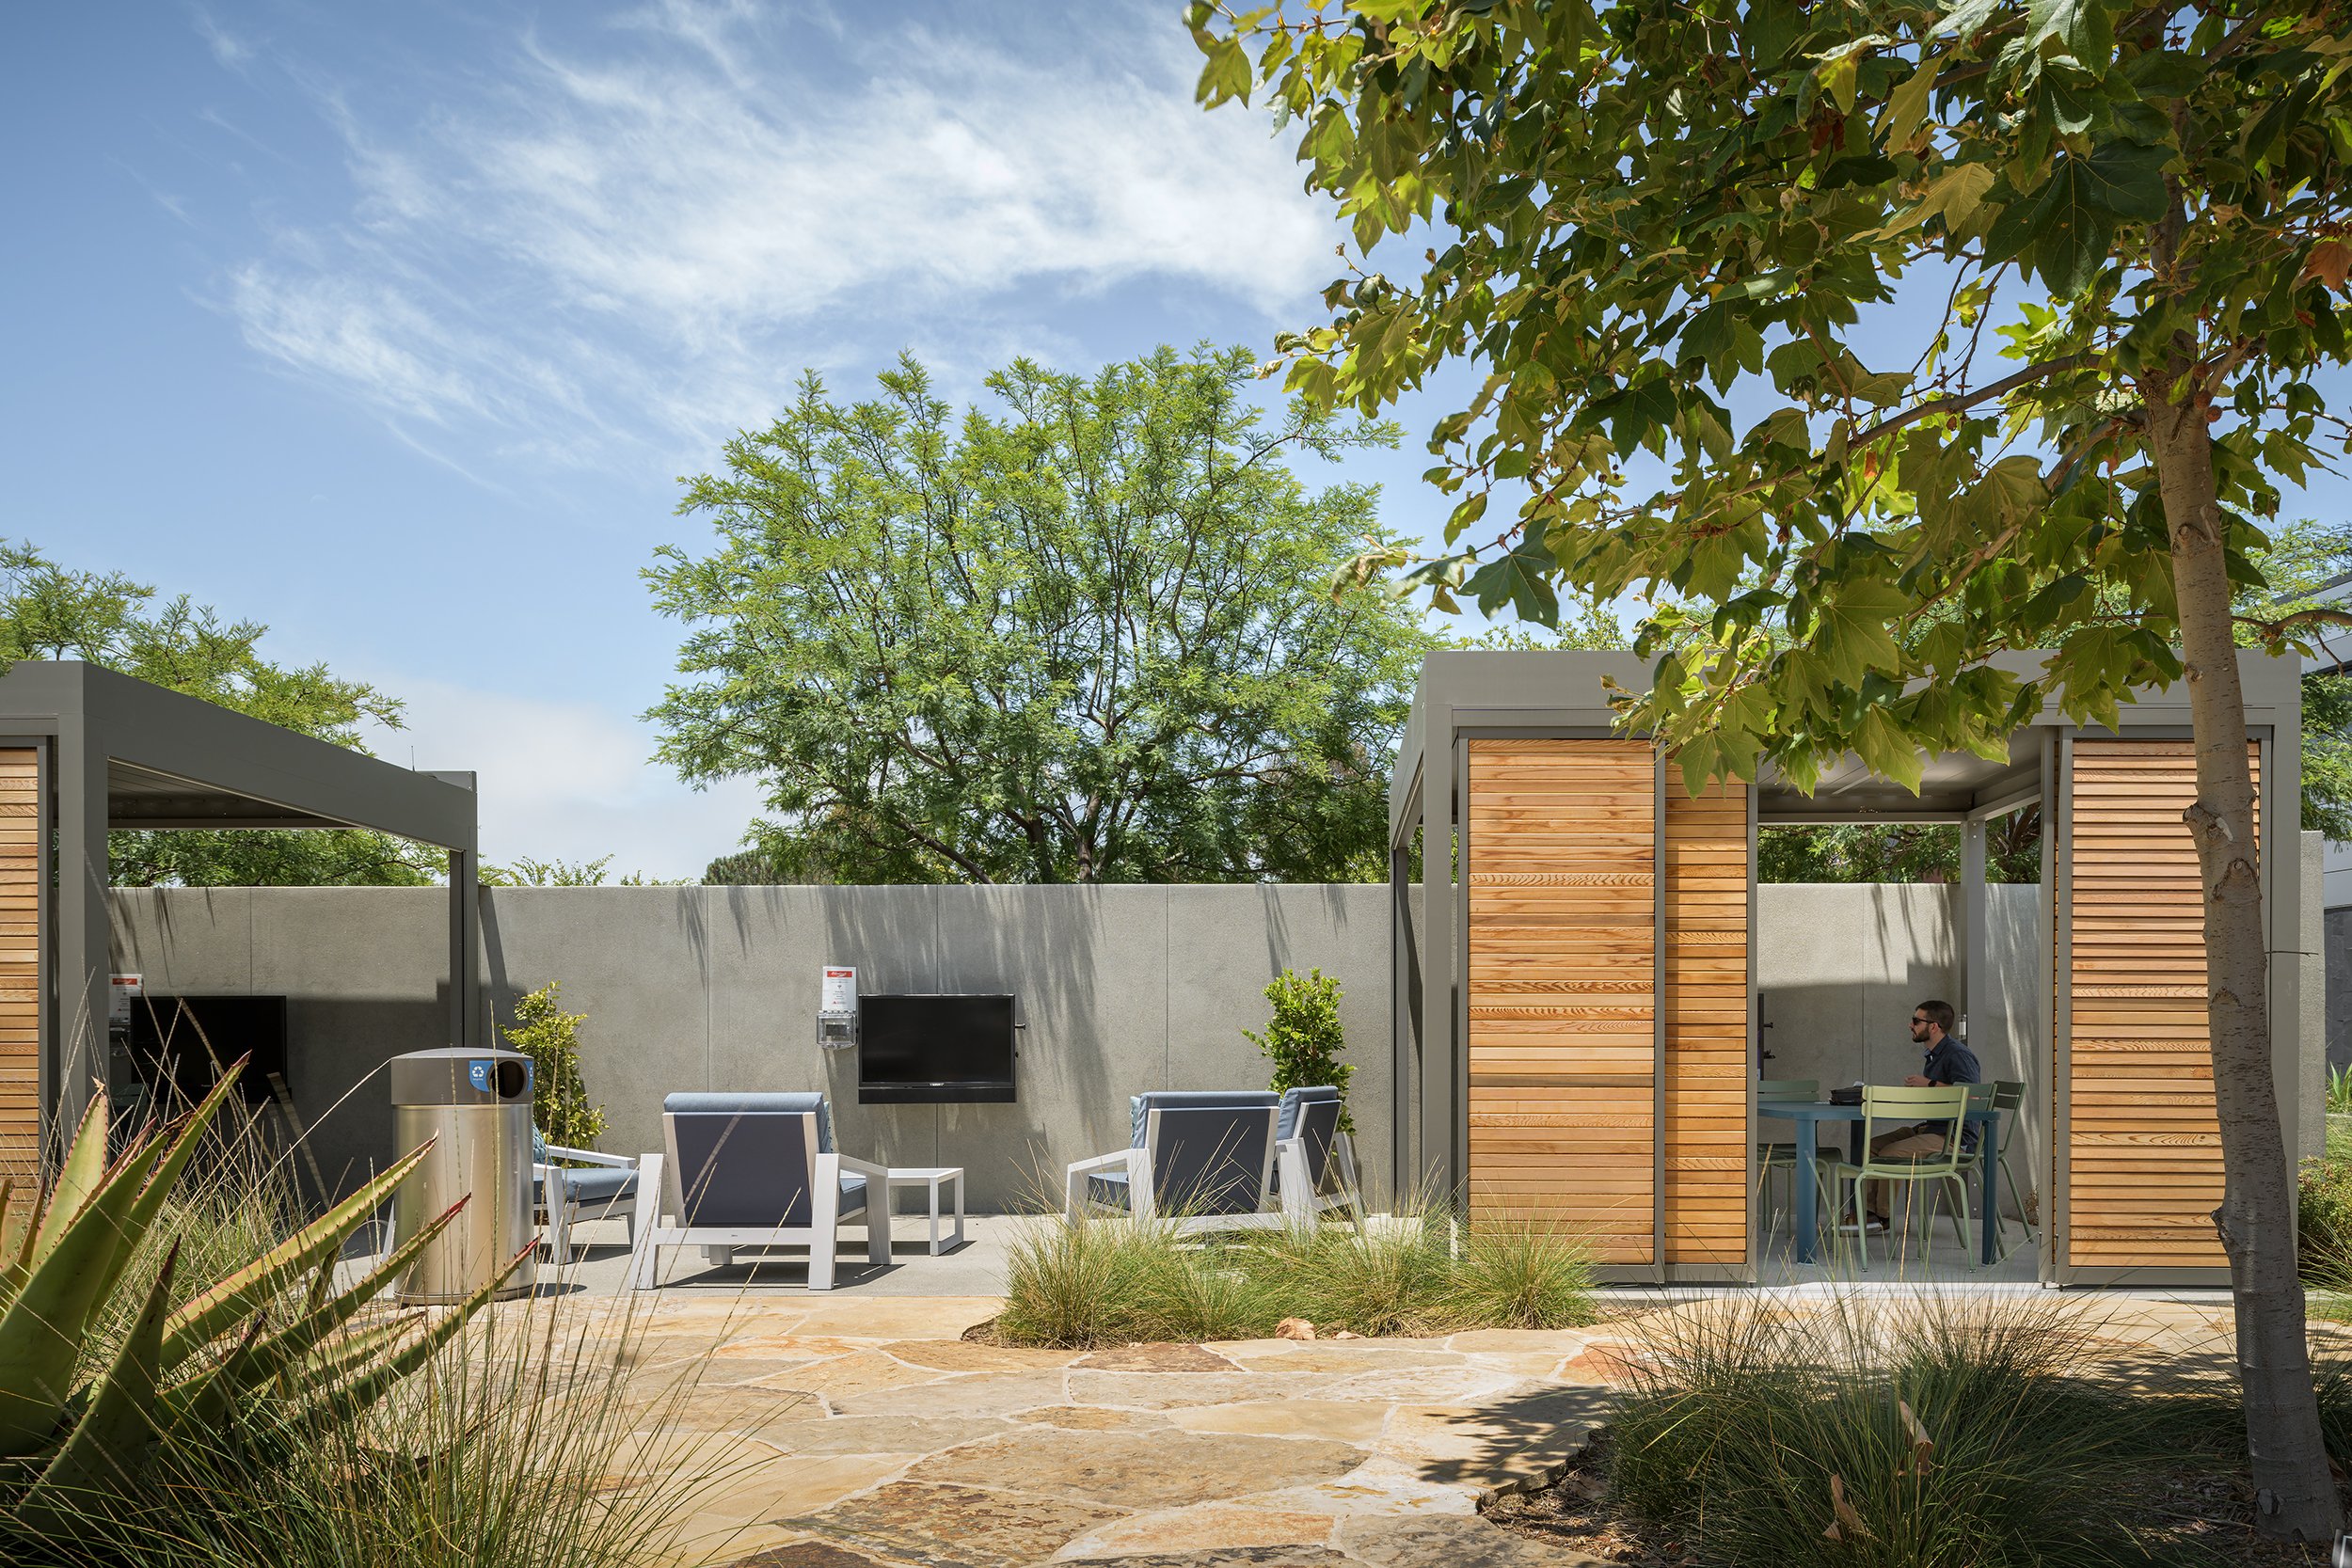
(394, 327)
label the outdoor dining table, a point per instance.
(1806, 1112)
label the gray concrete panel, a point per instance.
(1226, 943)
(1090, 967)
(767, 946)
(634, 961)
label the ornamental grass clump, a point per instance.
(1909, 1430)
(1103, 1280)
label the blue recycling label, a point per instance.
(478, 1075)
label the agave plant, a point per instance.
(71, 1445)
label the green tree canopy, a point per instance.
(1079, 635)
(1864, 343)
(48, 611)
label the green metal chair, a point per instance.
(1770, 1156)
(1885, 1108)
(2007, 1095)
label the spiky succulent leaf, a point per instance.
(350, 1397)
(209, 1315)
(78, 1181)
(206, 1398)
(42, 1326)
(179, 1139)
(104, 1457)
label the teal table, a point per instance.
(1807, 1113)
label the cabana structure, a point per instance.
(1575, 985)
(85, 750)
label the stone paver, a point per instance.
(868, 1433)
(858, 1433)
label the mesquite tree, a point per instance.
(1863, 341)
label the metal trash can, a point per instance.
(476, 1107)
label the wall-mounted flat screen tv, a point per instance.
(914, 1050)
(184, 1040)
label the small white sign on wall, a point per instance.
(125, 989)
(839, 992)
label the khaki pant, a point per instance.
(1907, 1142)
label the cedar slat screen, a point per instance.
(1563, 988)
(2143, 1147)
(19, 959)
(1707, 1025)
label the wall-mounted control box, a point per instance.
(837, 1008)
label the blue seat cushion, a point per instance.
(755, 1103)
(1108, 1189)
(852, 1194)
(599, 1184)
(1139, 1107)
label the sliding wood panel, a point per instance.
(1562, 863)
(1708, 1077)
(20, 960)
(2143, 1144)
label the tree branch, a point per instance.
(1953, 403)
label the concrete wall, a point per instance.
(1122, 988)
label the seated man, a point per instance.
(1948, 1061)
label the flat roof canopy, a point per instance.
(117, 752)
(1475, 692)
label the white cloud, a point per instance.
(566, 781)
(641, 246)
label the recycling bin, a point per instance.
(475, 1105)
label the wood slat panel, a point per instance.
(2144, 1146)
(20, 992)
(1563, 988)
(1706, 1010)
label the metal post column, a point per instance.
(465, 963)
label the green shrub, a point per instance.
(548, 1035)
(1761, 1436)
(1114, 1281)
(1303, 1038)
(2323, 1194)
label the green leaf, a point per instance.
(2084, 26)
(1907, 105)
(1886, 750)
(1851, 632)
(2126, 179)
(1225, 76)
(1522, 579)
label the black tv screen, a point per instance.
(920, 1049)
(175, 1040)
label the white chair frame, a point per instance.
(666, 1224)
(1143, 1201)
(557, 1219)
(1346, 1193)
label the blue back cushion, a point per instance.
(745, 1167)
(1211, 1159)
(741, 1102)
(1312, 1115)
(1142, 1105)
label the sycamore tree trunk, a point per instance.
(2295, 1496)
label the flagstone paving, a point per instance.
(867, 1432)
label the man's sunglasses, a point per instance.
(1918, 1020)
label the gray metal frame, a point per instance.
(1535, 695)
(115, 748)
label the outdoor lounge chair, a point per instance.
(1315, 1163)
(608, 1190)
(751, 1171)
(1198, 1160)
